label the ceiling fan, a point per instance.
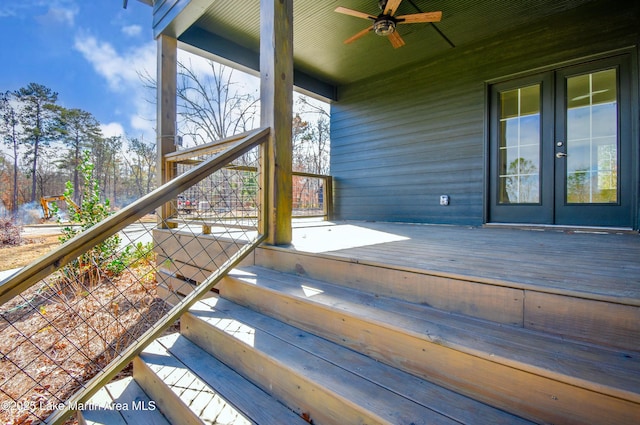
(385, 23)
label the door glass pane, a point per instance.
(519, 146)
(592, 138)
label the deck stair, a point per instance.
(277, 347)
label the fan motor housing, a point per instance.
(384, 25)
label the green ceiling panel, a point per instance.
(319, 31)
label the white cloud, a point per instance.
(132, 30)
(142, 122)
(112, 129)
(55, 11)
(122, 70)
(60, 15)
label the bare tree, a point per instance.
(308, 107)
(311, 140)
(5, 181)
(310, 151)
(142, 163)
(105, 153)
(212, 105)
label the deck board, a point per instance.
(528, 349)
(119, 403)
(602, 264)
(459, 408)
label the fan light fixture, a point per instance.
(384, 26)
(385, 23)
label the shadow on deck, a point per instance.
(587, 263)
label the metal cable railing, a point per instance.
(72, 320)
(312, 193)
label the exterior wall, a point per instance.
(400, 141)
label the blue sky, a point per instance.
(89, 51)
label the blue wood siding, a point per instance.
(400, 141)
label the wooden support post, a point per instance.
(328, 198)
(166, 116)
(276, 106)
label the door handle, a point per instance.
(560, 155)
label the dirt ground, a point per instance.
(78, 319)
(34, 246)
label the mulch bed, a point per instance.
(54, 338)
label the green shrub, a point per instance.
(104, 259)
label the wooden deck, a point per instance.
(411, 324)
(588, 263)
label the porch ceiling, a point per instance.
(230, 29)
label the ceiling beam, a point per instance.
(173, 17)
(229, 53)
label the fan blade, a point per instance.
(396, 40)
(355, 13)
(358, 35)
(391, 7)
(417, 18)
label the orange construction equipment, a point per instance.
(46, 210)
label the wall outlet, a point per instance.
(444, 200)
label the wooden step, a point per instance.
(172, 289)
(325, 382)
(120, 403)
(582, 315)
(191, 387)
(531, 374)
(502, 304)
(193, 257)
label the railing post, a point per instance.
(328, 198)
(166, 117)
(276, 96)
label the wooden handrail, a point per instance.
(327, 193)
(80, 244)
(187, 155)
(116, 223)
(311, 175)
(60, 416)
